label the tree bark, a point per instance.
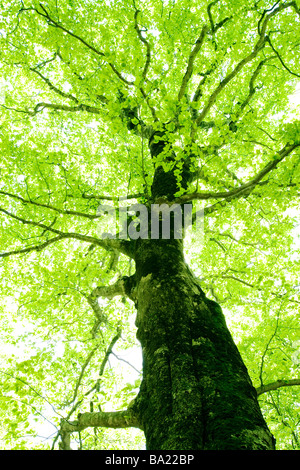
(196, 393)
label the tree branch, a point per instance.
(209, 7)
(100, 316)
(113, 419)
(144, 41)
(84, 366)
(254, 286)
(103, 291)
(40, 247)
(244, 188)
(225, 276)
(123, 246)
(228, 235)
(191, 60)
(53, 87)
(54, 23)
(103, 364)
(56, 209)
(57, 107)
(252, 88)
(198, 92)
(86, 363)
(275, 385)
(280, 59)
(214, 28)
(232, 124)
(125, 286)
(119, 419)
(109, 292)
(144, 74)
(227, 79)
(262, 40)
(273, 11)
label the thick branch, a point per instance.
(252, 88)
(260, 44)
(60, 107)
(191, 60)
(198, 92)
(274, 11)
(244, 188)
(114, 419)
(275, 385)
(109, 291)
(123, 286)
(100, 316)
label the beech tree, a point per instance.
(111, 107)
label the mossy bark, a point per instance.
(196, 393)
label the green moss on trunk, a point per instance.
(196, 392)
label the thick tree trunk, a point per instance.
(196, 393)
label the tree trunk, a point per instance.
(196, 393)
